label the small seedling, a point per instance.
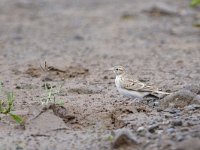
(110, 138)
(51, 91)
(50, 95)
(6, 106)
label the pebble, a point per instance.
(152, 128)
(170, 130)
(196, 99)
(192, 107)
(141, 131)
(191, 123)
(156, 104)
(180, 137)
(167, 116)
(124, 137)
(172, 110)
(177, 123)
(160, 131)
(159, 109)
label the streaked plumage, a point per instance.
(132, 88)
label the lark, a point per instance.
(133, 88)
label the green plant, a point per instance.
(50, 95)
(6, 106)
(50, 91)
(195, 3)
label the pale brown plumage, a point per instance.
(135, 85)
(132, 87)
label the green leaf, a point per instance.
(10, 100)
(195, 3)
(17, 118)
(10, 97)
(60, 102)
(1, 106)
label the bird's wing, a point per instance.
(136, 85)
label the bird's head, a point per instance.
(118, 70)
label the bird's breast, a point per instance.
(126, 92)
(118, 82)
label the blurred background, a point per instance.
(121, 32)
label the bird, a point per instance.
(133, 88)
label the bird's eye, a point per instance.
(117, 69)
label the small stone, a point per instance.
(18, 87)
(141, 131)
(178, 99)
(26, 86)
(105, 77)
(180, 137)
(159, 109)
(167, 116)
(124, 138)
(45, 79)
(156, 104)
(190, 123)
(170, 130)
(196, 100)
(177, 123)
(172, 110)
(192, 107)
(18, 147)
(152, 128)
(159, 131)
(185, 129)
(196, 106)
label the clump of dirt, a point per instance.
(85, 90)
(51, 73)
(26, 86)
(75, 71)
(178, 99)
(34, 72)
(121, 113)
(124, 139)
(59, 111)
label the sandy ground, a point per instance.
(157, 42)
